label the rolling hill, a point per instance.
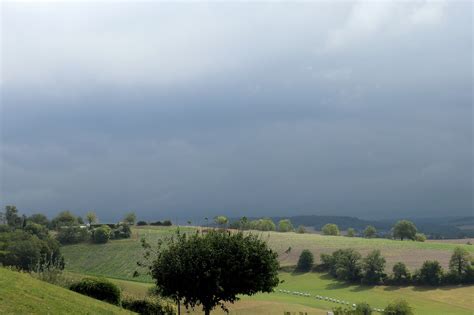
(22, 294)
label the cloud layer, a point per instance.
(189, 110)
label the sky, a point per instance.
(194, 109)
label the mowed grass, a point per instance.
(117, 259)
(425, 300)
(22, 294)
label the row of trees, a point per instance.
(27, 244)
(402, 230)
(348, 265)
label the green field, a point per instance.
(22, 294)
(117, 260)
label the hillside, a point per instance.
(22, 294)
(108, 259)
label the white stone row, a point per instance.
(325, 298)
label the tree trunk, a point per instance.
(207, 312)
(179, 307)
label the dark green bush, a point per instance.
(148, 307)
(398, 307)
(101, 235)
(72, 235)
(99, 289)
(27, 252)
(122, 231)
(141, 223)
(305, 262)
(363, 309)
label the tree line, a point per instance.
(349, 265)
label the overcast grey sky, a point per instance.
(196, 109)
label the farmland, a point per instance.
(117, 260)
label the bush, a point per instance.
(27, 252)
(330, 229)
(401, 274)
(305, 262)
(101, 235)
(431, 273)
(398, 307)
(343, 264)
(373, 268)
(72, 235)
(141, 223)
(370, 231)
(351, 232)
(122, 231)
(363, 309)
(148, 306)
(301, 229)
(420, 237)
(99, 289)
(285, 226)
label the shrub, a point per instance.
(122, 231)
(420, 237)
(363, 309)
(431, 273)
(398, 307)
(373, 268)
(305, 262)
(141, 223)
(343, 264)
(351, 232)
(401, 274)
(301, 229)
(101, 235)
(148, 306)
(99, 289)
(72, 235)
(285, 226)
(370, 231)
(27, 252)
(330, 229)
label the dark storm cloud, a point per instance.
(196, 109)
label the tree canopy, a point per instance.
(285, 225)
(330, 229)
(213, 268)
(404, 229)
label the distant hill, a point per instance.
(22, 294)
(436, 227)
(344, 222)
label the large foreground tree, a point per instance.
(211, 269)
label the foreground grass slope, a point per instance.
(425, 300)
(22, 294)
(117, 259)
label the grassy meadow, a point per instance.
(117, 261)
(117, 258)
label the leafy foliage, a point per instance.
(373, 267)
(398, 307)
(430, 273)
(101, 235)
(285, 226)
(213, 268)
(404, 229)
(330, 229)
(305, 262)
(100, 289)
(148, 306)
(370, 231)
